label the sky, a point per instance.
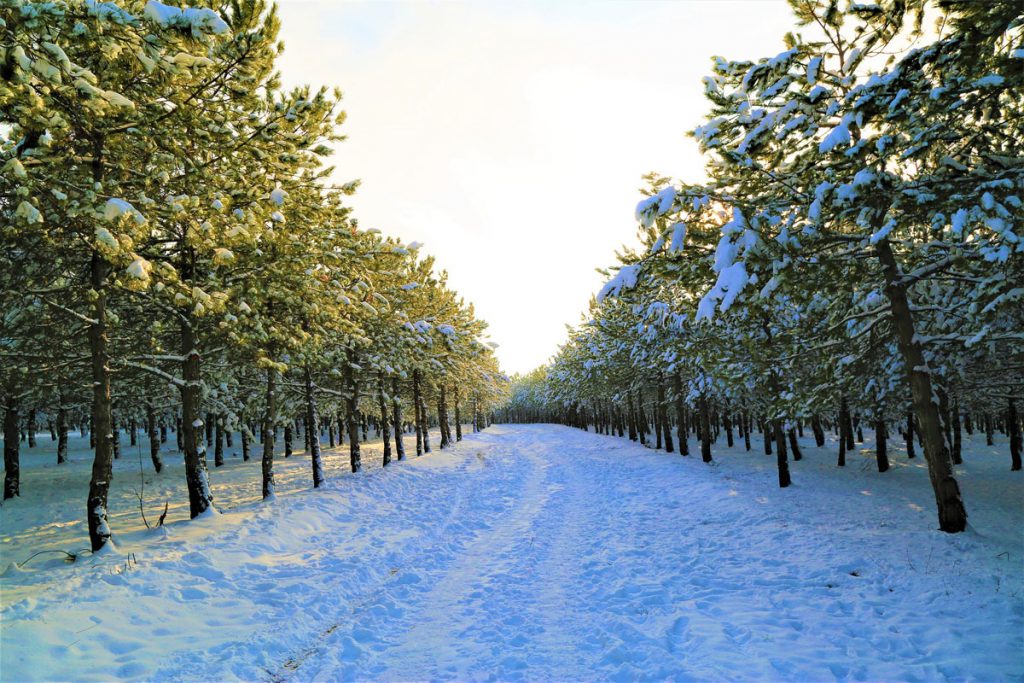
(511, 137)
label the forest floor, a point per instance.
(526, 552)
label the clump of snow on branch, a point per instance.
(656, 205)
(277, 195)
(115, 208)
(625, 279)
(198, 20)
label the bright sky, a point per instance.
(511, 137)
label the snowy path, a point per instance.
(541, 552)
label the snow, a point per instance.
(549, 553)
(816, 92)
(900, 96)
(116, 207)
(812, 70)
(656, 205)
(109, 10)
(139, 268)
(883, 232)
(15, 168)
(29, 213)
(277, 195)
(678, 241)
(107, 239)
(197, 20)
(782, 58)
(840, 135)
(725, 253)
(990, 80)
(863, 177)
(624, 279)
(731, 281)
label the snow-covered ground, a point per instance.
(527, 552)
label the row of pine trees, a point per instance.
(855, 258)
(176, 255)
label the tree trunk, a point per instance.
(957, 433)
(384, 422)
(115, 435)
(910, 435)
(631, 416)
(417, 415)
(62, 430)
(881, 452)
(243, 432)
(848, 417)
(12, 465)
(705, 430)
(794, 445)
(641, 417)
(32, 428)
(766, 432)
(197, 477)
(442, 417)
(103, 460)
(677, 390)
(458, 416)
(781, 459)
(656, 418)
(351, 405)
(845, 425)
(952, 515)
(1014, 429)
(269, 425)
(663, 413)
(819, 433)
(288, 439)
(313, 430)
(945, 419)
(218, 441)
(424, 422)
(396, 407)
(154, 439)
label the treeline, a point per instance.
(176, 257)
(856, 257)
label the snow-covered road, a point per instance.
(542, 552)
